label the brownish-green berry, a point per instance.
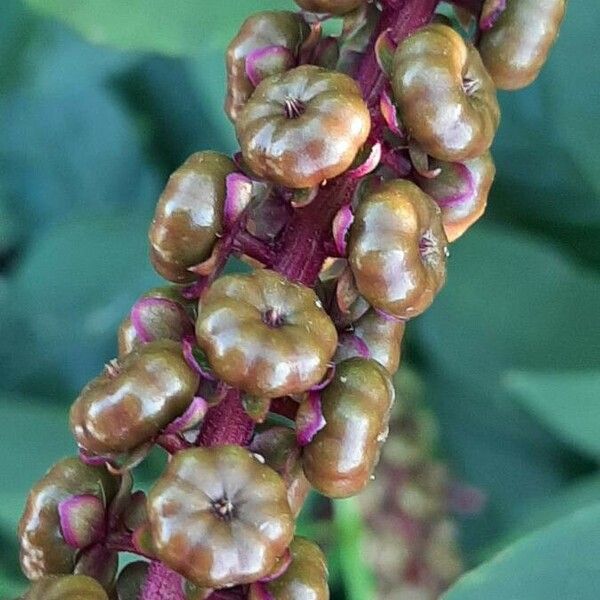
(515, 49)
(134, 399)
(304, 579)
(219, 516)
(271, 38)
(44, 550)
(304, 126)
(446, 99)
(189, 215)
(397, 249)
(265, 334)
(67, 587)
(356, 405)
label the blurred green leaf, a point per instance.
(208, 74)
(359, 582)
(580, 494)
(10, 227)
(568, 403)
(67, 142)
(493, 446)
(512, 302)
(178, 115)
(172, 27)
(37, 435)
(547, 152)
(76, 284)
(555, 563)
(572, 107)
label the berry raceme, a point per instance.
(361, 157)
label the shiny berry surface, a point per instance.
(397, 249)
(446, 99)
(515, 49)
(461, 191)
(303, 127)
(334, 7)
(379, 335)
(189, 215)
(265, 334)
(259, 32)
(356, 405)
(304, 579)
(44, 550)
(219, 516)
(128, 405)
(68, 587)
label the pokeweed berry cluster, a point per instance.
(361, 157)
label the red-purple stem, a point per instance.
(300, 253)
(162, 584)
(247, 244)
(226, 423)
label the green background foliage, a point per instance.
(101, 99)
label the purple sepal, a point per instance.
(384, 51)
(356, 346)
(341, 224)
(310, 420)
(194, 413)
(260, 591)
(82, 520)
(282, 566)
(187, 345)
(464, 193)
(262, 62)
(237, 198)
(396, 160)
(91, 460)
(492, 9)
(370, 164)
(146, 309)
(326, 380)
(390, 113)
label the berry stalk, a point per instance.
(303, 247)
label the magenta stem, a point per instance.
(122, 542)
(162, 584)
(246, 243)
(226, 423)
(304, 245)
